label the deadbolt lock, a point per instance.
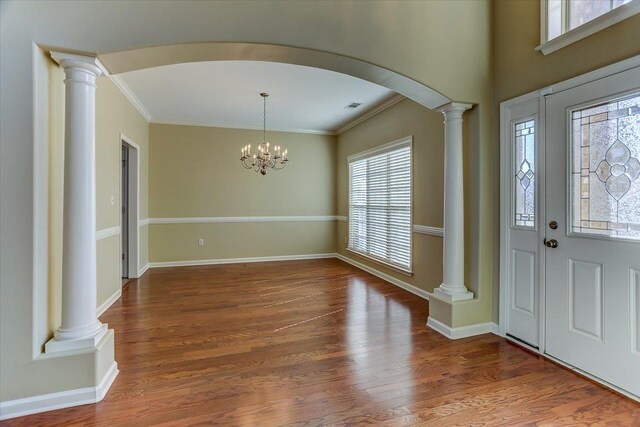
(553, 225)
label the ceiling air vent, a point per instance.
(353, 105)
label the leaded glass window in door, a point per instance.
(605, 186)
(525, 177)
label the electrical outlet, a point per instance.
(200, 242)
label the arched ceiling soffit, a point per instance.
(149, 57)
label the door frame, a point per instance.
(133, 252)
(538, 97)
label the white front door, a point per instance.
(592, 168)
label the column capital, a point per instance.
(454, 110)
(70, 61)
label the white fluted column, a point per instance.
(80, 327)
(452, 287)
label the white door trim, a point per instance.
(134, 206)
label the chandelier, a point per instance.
(264, 159)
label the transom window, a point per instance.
(566, 21)
(380, 204)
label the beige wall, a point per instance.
(114, 115)
(195, 172)
(519, 69)
(403, 119)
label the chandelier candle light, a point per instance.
(264, 159)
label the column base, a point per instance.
(55, 345)
(444, 293)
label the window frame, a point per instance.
(381, 149)
(568, 37)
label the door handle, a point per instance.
(553, 243)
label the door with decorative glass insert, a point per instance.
(593, 256)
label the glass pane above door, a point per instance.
(605, 171)
(524, 183)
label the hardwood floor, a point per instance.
(314, 343)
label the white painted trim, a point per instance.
(109, 302)
(227, 126)
(143, 270)
(128, 93)
(427, 229)
(462, 331)
(387, 103)
(238, 219)
(239, 260)
(143, 222)
(59, 400)
(585, 30)
(107, 232)
(404, 285)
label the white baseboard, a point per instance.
(239, 260)
(113, 298)
(143, 270)
(462, 331)
(404, 285)
(63, 399)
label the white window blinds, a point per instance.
(380, 204)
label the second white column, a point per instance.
(452, 287)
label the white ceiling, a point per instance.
(226, 94)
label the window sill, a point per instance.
(382, 263)
(600, 23)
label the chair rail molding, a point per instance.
(238, 219)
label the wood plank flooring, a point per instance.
(317, 343)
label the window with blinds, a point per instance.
(380, 204)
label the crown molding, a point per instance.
(387, 103)
(128, 93)
(226, 126)
(135, 101)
